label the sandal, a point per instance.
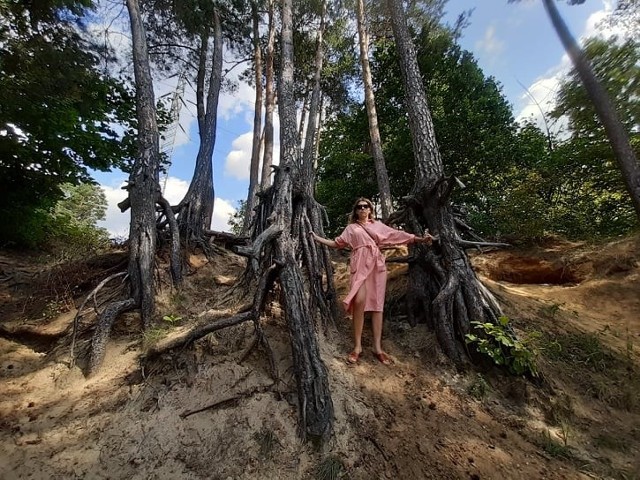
(353, 357)
(383, 358)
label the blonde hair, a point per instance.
(354, 216)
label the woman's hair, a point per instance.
(353, 218)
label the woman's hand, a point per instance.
(427, 239)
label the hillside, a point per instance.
(213, 411)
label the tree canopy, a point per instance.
(58, 111)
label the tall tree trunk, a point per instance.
(314, 104)
(618, 137)
(443, 286)
(270, 102)
(314, 397)
(257, 120)
(195, 210)
(372, 115)
(330, 309)
(144, 188)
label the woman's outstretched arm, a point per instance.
(324, 241)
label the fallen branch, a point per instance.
(470, 244)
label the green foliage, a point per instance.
(236, 219)
(479, 387)
(581, 348)
(172, 319)
(499, 343)
(69, 227)
(268, 443)
(331, 468)
(598, 196)
(521, 184)
(553, 447)
(57, 112)
(473, 122)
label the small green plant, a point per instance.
(268, 443)
(172, 319)
(331, 468)
(501, 345)
(178, 299)
(152, 335)
(565, 431)
(550, 311)
(479, 388)
(554, 448)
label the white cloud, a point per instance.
(238, 160)
(540, 98)
(175, 189)
(222, 210)
(117, 222)
(490, 45)
(237, 102)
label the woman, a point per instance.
(365, 236)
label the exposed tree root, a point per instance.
(91, 296)
(228, 402)
(103, 327)
(197, 333)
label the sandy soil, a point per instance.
(214, 411)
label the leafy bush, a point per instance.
(499, 343)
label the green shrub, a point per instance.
(500, 344)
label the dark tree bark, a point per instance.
(195, 210)
(144, 194)
(443, 286)
(281, 238)
(270, 102)
(257, 120)
(314, 397)
(319, 261)
(143, 182)
(618, 137)
(372, 115)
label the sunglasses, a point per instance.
(362, 206)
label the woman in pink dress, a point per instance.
(364, 236)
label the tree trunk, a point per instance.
(314, 104)
(443, 286)
(314, 397)
(257, 121)
(319, 261)
(618, 137)
(372, 115)
(143, 181)
(270, 103)
(195, 210)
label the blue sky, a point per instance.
(513, 42)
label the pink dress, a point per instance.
(367, 264)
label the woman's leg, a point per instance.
(376, 326)
(358, 318)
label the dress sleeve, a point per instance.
(391, 236)
(343, 240)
